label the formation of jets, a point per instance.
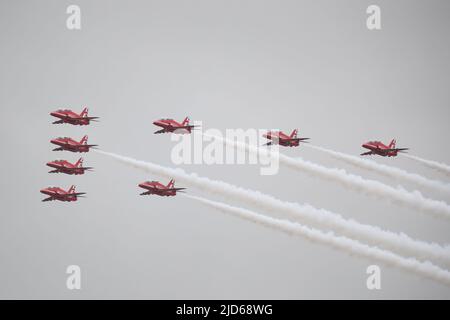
(68, 144)
(166, 126)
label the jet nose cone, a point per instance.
(43, 190)
(141, 185)
(155, 123)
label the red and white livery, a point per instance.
(66, 143)
(68, 116)
(170, 125)
(379, 148)
(157, 188)
(64, 166)
(278, 137)
(56, 193)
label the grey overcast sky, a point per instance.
(311, 65)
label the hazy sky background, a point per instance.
(311, 65)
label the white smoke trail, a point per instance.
(401, 243)
(411, 200)
(441, 167)
(387, 171)
(424, 269)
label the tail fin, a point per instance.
(84, 140)
(171, 184)
(84, 113)
(392, 144)
(79, 163)
(294, 133)
(71, 189)
(185, 122)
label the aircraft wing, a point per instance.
(87, 145)
(152, 191)
(161, 191)
(72, 169)
(82, 118)
(76, 146)
(366, 153)
(295, 139)
(185, 127)
(48, 199)
(398, 149)
(170, 129)
(62, 117)
(174, 189)
(75, 194)
(160, 131)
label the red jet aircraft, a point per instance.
(56, 193)
(68, 116)
(278, 137)
(170, 125)
(69, 144)
(66, 167)
(157, 188)
(379, 148)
